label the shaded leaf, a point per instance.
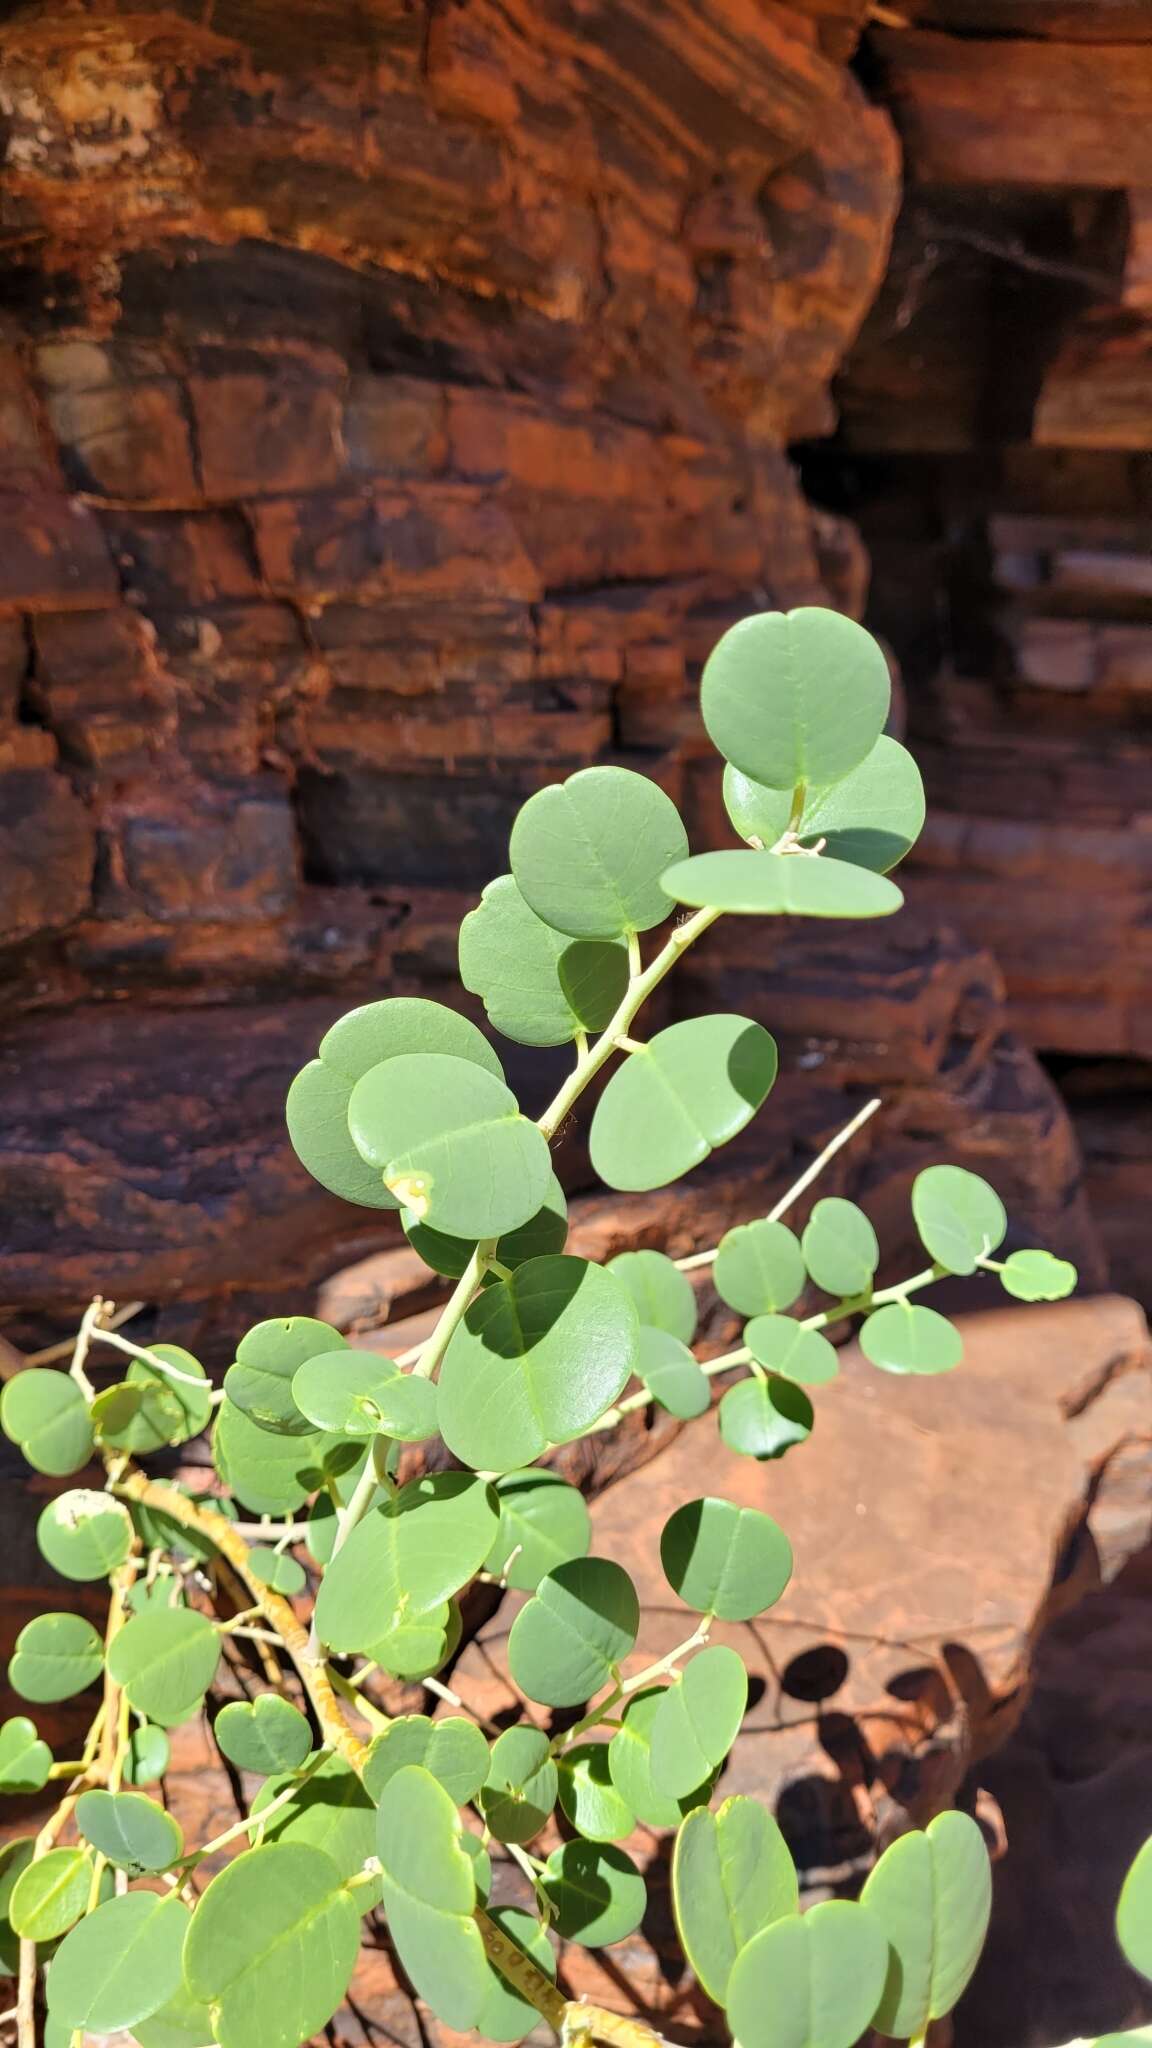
(580, 1622)
(538, 985)
(596, 1893)
(765, 1418)
(430, 1894)
(871, 817)
(543, 1522)
(519, 1791)
(723, 1560)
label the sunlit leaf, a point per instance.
(732, 1876)
(1037, 1276)
(671, 1374)
(406, 1558)
(931, 1893)
(277, 1569)
(589, 1795)
(430, 1894)
(786, 1347)
(164, 1410)
(795, 697)
(449, 1141)
(580, 1622)
(698, 1719)
(271, 1474)
(56, 1655)
(630, 1763)
(1134, 1912)
(84, 1534)
(664, 1296)
(871, 817)
(840, 1247)
(689, 1089)
(268, 1735)
(536, 1361)
(165, 1660)
(25, 1761)
(903, 1337)
(267, 1360)
(182, 2022)
(453, 1750)
(519, 1791)
(765, 1418)
(723, 1560)
(752, 884)
(811, 1980)
(538, 985)
(45, 1413)
(543, 1522)
(119, 1964)
(959, 1217)
(50, 1894)
(759, 1268)
(588, 853)
(319, 1096)
(272, 1946)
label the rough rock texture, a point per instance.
(393, 408)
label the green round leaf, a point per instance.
(46, 1414)
(596, 1893)
(165, 1659)
(84, 1535)
(1134, 1912)
(538, 986)
(780, 884)
(691, 1088)
(932, 1896)
(732, 1876)
(419, 1644)
(50, 1894)
(148, 1755)
(56, 1655)
(25, 1761)
(543, 1233)
(267, 1360)
(543, 1522)
(276, 1568)
(131, 1831)
(339, 1390)
(588, 853)
(759, 1268)
(590, 1797)
(269, 1736)
(786, 1347)
(453, 1751)
(429, 1896)
(272, 1946)
(630, 1763)
(871, 818)
(840, 1248)
(119, 1964)
(318, 1098)
(450, 1143)
(151, 1409)
(15, 1856)
(723, 1560)
(536, 1361)
(505, 2015)
(1037, 1276)
(812, 1980)
(795, 697)
(405, 1559)
(576, 1628)
(671, 1374)
(697, 1720)
(330, 1811)
(519, 1791)
(270, 1474)
(765, 1418)
(664, 1296)
(904, 1338)
(959, 1217)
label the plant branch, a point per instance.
(792, 1194)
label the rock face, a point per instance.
(390, 407)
